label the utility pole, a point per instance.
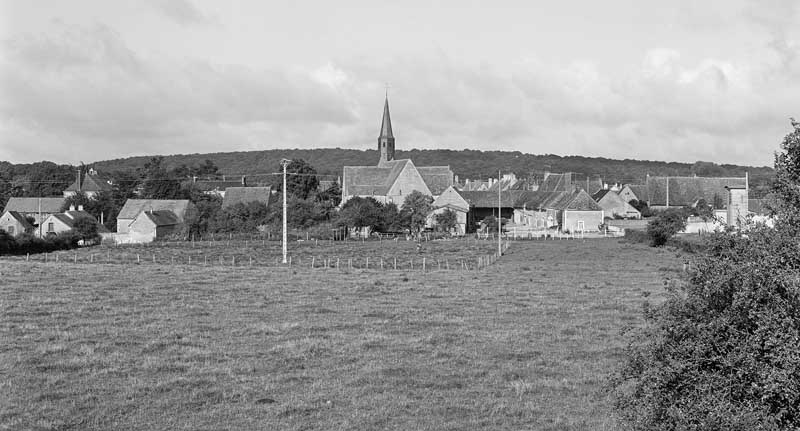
(284, 163)
(499, 219)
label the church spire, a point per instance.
(386, 138)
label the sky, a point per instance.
(89, 80)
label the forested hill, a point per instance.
(466, 164)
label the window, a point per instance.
(50, 227)
(10, 230)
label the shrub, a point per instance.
(664, 226)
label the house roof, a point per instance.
(640, 190)
(90, 183)
(591, 186)
(31, 205)
(477, 185)
(161, 217)
(63, 218)
(575, 200)
(133, 207)
(686, 191)
(378, 180)
(20, 219)
(243, 195)
(213, 185)
(600, 194)
(557, 183)
(76, 214)
(437, 178)
(487, 199)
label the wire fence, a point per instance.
(244, 260)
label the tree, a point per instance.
(360, 212)
(158, 182)
(722, 351)
(446, 220)
(415, 210)
(303, 183)
(85, 228)
(665, 226)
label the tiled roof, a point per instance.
(208, 186)
(437, 178)
(377, 180)
(31, 205)
(162, 217)
(581, 201)
(63, 218)
(599, 194)
(474, 186)
(243, 195)
(686, 191)
(591, 186)
(133, 207)
(20, 219)
(90, 183)
(557, 183)
(76, 214)
(487, 199)
(640, 190)
(574, 200)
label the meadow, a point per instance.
(526, 343)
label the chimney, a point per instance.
(455, 179)
(72, 207)
(80, 207)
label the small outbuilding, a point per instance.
(182, 209)
(151, 225)
(450, 199)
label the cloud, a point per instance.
(183, 12)
(82, 93)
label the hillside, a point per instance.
(465, 163)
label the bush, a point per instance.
(664, 226)
(28, 243)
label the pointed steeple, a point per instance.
(386, 138)
(386, 123)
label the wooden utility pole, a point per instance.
(499, 218)
(284, 163)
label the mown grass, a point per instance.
(524, 344)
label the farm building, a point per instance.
(91, 184)
(245, 195)
(676, 192)
(569, 210)
(182, 209)
(15, 224)
(63, 222)
(452, 200)
(392, 180)
(614, 206)
(37, 208)
(737, 206)
(151, 225)
(483, 204)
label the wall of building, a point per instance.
(572, 220)
(738, 207)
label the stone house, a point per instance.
(452, 200)
(148, 226)
(15, 224)
(570, 211)
(36, 208)
(615, 206)
(63, 222)
(182, 208)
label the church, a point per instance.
(391, 180)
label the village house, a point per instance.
(91, 185)
(569, 211)
(391, 181)
(15, 224)
(245, 195)
(483, 204)
(634, 192)
(148, 226)
(182, 208)
(63, 222)
(614, 205)
(36, 208)
(451, 200)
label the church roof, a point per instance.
(90, 183)
(378, 180)
(386, 122)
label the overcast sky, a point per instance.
(87, 80)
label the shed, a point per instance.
(15, 224)
(151, 225)
(182, 209)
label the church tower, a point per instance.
(386, 138)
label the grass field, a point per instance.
(524, 344)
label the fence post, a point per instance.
(312, 262)
(367, 266)
(337, 263)
(233, 261)
(412, 263)
(381, 263)
(75, 255)
(423, 264)
(137, 258)
(27, 257)
(290, 261)
(395, 263)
